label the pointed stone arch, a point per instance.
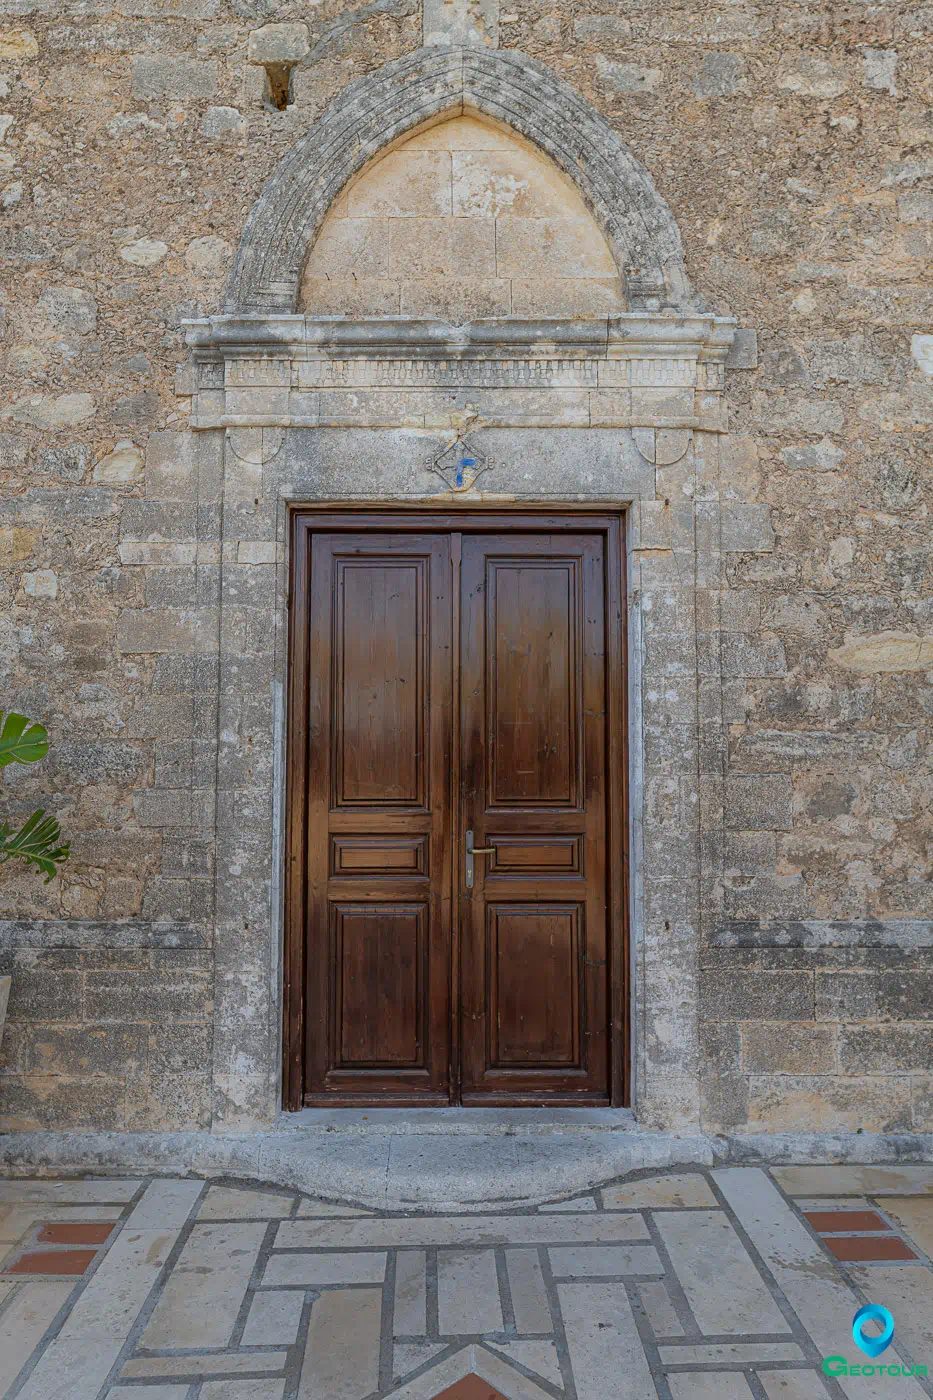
(380, 109)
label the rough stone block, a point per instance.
(179, 79)
(783, 1048)
(420, 248)
(752, 654)
(404, 184)
(748, 995)
(743, 352)
(456, 299)
(474, 23)
(162, 807)
(224, 124)
(529, 247)
(278, 44)
(825, 1104)
(880, 1049)
(168, 630)
(759, 801)
(747, 528)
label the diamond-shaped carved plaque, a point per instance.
(460, 465)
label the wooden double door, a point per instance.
(455, 883)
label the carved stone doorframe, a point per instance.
(623, 411)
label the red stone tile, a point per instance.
(471, 1388)
(856, 1249)
(96, 1234)
(53, 1261)
(828, 1222)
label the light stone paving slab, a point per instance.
(319, 1270)
(203, 1364)
(408, 1356)
(112, 1300)
(225, 1203)
(742, 1353)
(913, 1178)
(326, 1209)
(709, 1385)
(471, 1229)
(18, 1219)
(202, 1298)
(601, 1261)
(529, 1298)
(240, 1390)
(73, 1370)
(724, 1289)
(908, 1292)
(148, 1392)
(583, 1203)
(91, 1192)
(792, 1385)
(25, 1321)
(166, 1205)
(810, 1281)
(342, 1356)
(468, 1292)
(273, 1319)
(603, 1341)
(540, 1357)
(410, 1294)
(914, 1214)
(680, 1190)
(660, 1311)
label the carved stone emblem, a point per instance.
(461, 464)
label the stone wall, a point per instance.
(794, 145)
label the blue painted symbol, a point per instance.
(873, 1346)
(464, 462)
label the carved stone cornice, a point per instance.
(634, 370)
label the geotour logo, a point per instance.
(871, 1345)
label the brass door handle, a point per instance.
(471, 851)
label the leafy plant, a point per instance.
(38, 841)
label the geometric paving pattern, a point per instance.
(687, 1285)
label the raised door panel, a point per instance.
(380, 1007)
(379, 682)
(535, 955)
(379, 662)
(533, 682)
(535, 925)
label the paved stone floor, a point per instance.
(690, 1284)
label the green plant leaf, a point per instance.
(36, 843)
(21, 741)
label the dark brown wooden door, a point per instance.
(534, 965)
(455, 675)
(378, 851)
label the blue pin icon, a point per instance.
(873, 1346)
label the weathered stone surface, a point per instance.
(122, 466)
(278, 43)
(885, 653)
(177, 78)
(54, 414)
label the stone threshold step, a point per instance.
(456, 1122)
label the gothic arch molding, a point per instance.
(377, 110)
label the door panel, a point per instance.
(534, 927)
(378, 908)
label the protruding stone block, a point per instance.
(278, 44)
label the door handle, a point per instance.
(472, 851)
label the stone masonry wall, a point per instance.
(794, 144)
